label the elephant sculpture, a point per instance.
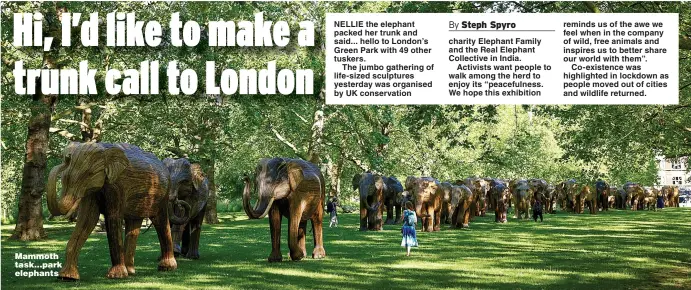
(602, 192)
(619, 197)
(635, 193)
(372, 188)
(294, 189)
(427, 193)
(521, 194)
(500, 196)
(650, 198)
(461, 206)
(393, 204)
(568, 192)
(187, 182)
(587, 196)
(122, 182)
(671, 194)
(446, 202)
(542, 191)
(479, 187)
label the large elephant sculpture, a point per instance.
(671, 194)
(446, 202)
(543, 192)
(187, 182)
(461, 206)
(479, 187)
(521, 194)
(372, 188)
(428, 194)
(392, 201)
(635, 193)
(500, 195)
(122, 182)
(602, 191)
(294, 189)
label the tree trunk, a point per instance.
(315, 146)
(211, 216)
(30, 220)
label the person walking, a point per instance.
(331, 208)
(408, 230)
(537, 210)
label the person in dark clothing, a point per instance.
(331, 208)
(537, 210)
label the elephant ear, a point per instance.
(410, 182)
(197, 176)
(115, 162)
(295, 175)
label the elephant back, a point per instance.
(141, 163)
(393, 185)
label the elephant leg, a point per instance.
(88, 217)
(318, 251)
(275, 219)
(162, 225)
(131, 234)
(364, 217)
(296, 253)
(195, 231)
(398, 214)
(177, 232)
(466, 214)
(437, 220)
(302, 233)
(114, 233)
(389, 213)
(379, 219)
(185, 242)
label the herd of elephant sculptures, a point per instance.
(456, 203)
(123, 182)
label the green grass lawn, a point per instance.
(612, 250)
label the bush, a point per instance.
(229, 205)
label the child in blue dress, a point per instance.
(408, 230)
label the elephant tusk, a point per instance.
(74, 207)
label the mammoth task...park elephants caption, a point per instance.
(120, 181)
(290, 188)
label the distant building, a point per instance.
(673, 172)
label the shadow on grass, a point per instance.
(611, 250)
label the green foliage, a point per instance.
(613, 250)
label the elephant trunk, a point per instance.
(261, 209)
(182, 216)
(179, 218)
(64, 205)
(418, 208)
